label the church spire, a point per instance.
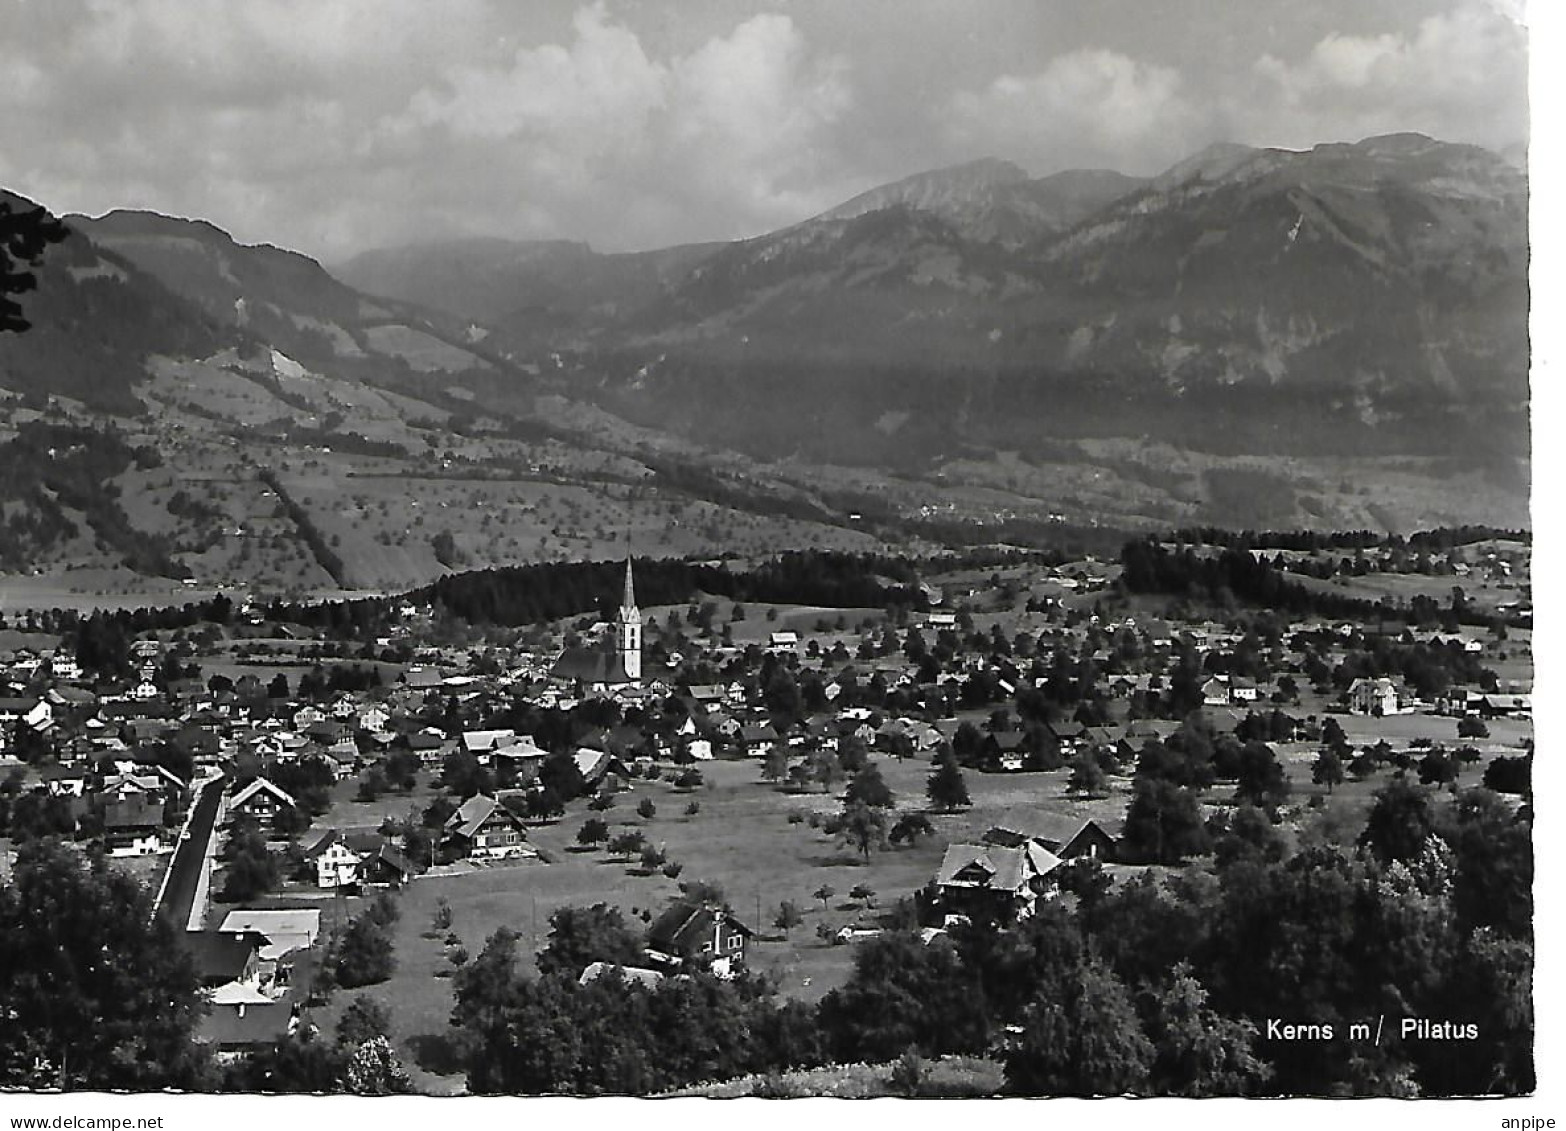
(629, 600)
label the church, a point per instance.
(615, 660)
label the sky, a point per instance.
(335, 126)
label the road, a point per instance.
(190, 855)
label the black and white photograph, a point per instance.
(771, 549)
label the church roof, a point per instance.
(591, 665)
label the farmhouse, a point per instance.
(699, 932)
(992, 883)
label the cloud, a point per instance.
(1455, 76)
(334, 125)
(1085, 107)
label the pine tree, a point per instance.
(946, 788)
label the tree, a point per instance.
(580, 936)
(1438, 767)
(440, 921)
(1261, 780)
(23, 238)
(825, 769)
(946, 788)
(364, 1019)
(909, 827)
(774, 764)
(594, 830)
(98, 993)
(1327, 769)
(252, 870)
(1200, 1052)
(1399, 823)
(374, 1070)
(903, 994)
(1163, 824)
(1088, 777)
(824, 893)
(1080, 1037)
(788, 917)
(862, 828)
(869, 788)
(653, 858)
(1472, 726)
(627, 843)
(363, 955)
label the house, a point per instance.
(335, 861)
(1216, 692)
(261, 800)
(232, 1030)
(222, 957)
(1373, 697)
(1498, 706)
(484, 829)
(993, 883)
(699, 932)
(133, 826)
(1066, 837)
(281, 932)
(385, 867)
(1006, 750)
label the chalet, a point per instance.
(1244, 690)
(783, 642)
(261, 800)
(232, 1030)
(484, 829)
(385, 867)
(133, 826)
(1217, 692)
(1067, 837)
(223, 957)
(63, 781)
(1006, 750)
(335, 858)
(758, 738)
(993, 883)
(482, 742)
(596, 765)
(699, 932)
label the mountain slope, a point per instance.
(287, 300)
(537, 289)
(96, 318)
(1355, 298)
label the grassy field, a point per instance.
(740, 839)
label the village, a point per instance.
(742, 788)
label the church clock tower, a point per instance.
(628, 630)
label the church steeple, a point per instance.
(629, 600)
(628, 629)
